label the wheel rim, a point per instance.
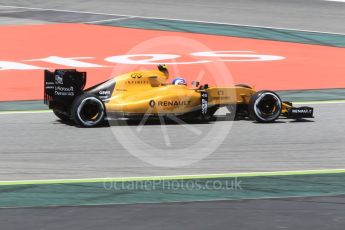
(268, 107)
(90, 111)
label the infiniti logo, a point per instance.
(136, 75)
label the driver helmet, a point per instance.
(179, 81)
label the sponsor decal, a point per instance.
(220, 93)
(302, 110)
(204, 102)
(104, 92)
(221, 98)
(136, 75)
(64, 91)
(58, 93)
(174, 103)
(50, 86)
(58, 80)
(137, 82)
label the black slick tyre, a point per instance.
(61, 116)
(265, 106)
(88, 110)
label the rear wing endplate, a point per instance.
(62, 86)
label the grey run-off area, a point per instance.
(294, 213)
(38, 146)
(315, 15)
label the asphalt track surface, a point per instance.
(37, 146)
(325, 213)
(316, 15)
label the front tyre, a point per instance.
(265, 106)
(88, 110)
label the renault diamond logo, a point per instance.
(152, 103)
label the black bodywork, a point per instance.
(62, 86)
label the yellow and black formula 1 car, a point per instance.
(147, 93)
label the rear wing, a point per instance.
(62, 86)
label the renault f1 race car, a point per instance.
(147, 93)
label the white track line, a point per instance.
(109, 20)
(343, 1)
(168, 19)
(24, 112)
(319, 102)
(177, 177)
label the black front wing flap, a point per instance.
(300, 112)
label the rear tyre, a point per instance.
(88, 111)
(61, 116)
(265, 106)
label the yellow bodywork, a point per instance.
(147, 92)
